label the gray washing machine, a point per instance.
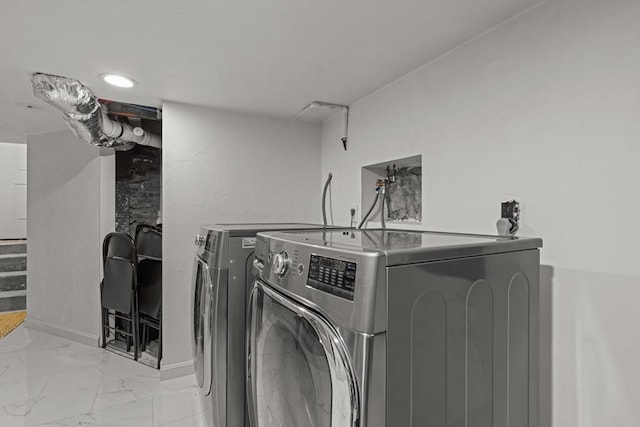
(223, 273)
(393, 328)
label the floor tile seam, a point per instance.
(178, 420)
(26, 380)
(50, 375)
(67, 418)
(137, 396)
(33, 354)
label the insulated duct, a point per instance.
(85, 116)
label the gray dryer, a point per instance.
(223, 273)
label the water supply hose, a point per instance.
(382, 224)
(373, 205)
(324, 199)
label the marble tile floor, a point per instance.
(49, 381)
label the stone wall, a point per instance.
(404, 196)
(138, 187)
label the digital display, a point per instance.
(333, 263)
(333, 276)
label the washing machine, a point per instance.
(221, 278)
(393, 328)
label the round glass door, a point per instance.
(299, 372)
(199, 312)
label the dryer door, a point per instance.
(200, 290)
(209, 324)
(299, 372)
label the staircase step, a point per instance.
(16, 282)
(13, 248)
(13, 303)
(17, 263)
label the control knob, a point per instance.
(200, 239)
(280, 263)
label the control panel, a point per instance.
(334, 276)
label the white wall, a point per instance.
(545, 109)
(226, 167)
(70, 206)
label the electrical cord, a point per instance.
(382, 224)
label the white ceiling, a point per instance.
(266, 57)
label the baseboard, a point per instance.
(176, 370)
(62, 331)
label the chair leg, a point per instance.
(103, 343)
(136, 336)
(105, 324)
(129, 340)
(159, 341)
(145, 337)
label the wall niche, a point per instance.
(403, 197)
(138, 184)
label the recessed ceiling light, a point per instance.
(118, 80)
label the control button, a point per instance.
(313, 275)
(351, 266)
(200, 239)
(350, 275)
(300, 269)
(313, 267)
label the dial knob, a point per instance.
(280, 263)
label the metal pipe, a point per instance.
(86, 117)
(382, 224)
(330, 106)
(324, 199)
(373, 205)
(126, 132)
(346, 129)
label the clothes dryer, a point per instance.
(223, 272)
(393, 328)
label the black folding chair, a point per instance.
(149, 252)
(118, 290)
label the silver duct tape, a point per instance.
(80, 130)
(120, 145)
(83, 130)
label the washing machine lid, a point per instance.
(409, 246)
